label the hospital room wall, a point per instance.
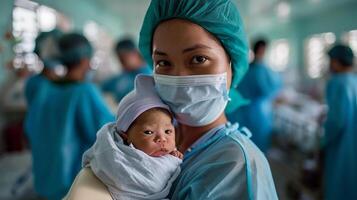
(339, 20)
(5, 25)
(83, 11)
(273, 30)
(118, 20)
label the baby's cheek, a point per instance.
(145, 145)
(172, 144)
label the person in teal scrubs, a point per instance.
(132, 65)
(260, 86)
(340, 139)
(199, 52)
(63, 120)
(46, 48)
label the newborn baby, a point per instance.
(136, 157)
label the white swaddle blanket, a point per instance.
(128, 172)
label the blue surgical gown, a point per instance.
(260, 85)
(224, 164)
(123, 83)
(61, 124)
(340, 141)
(34, 84)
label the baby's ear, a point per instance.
(124, 136)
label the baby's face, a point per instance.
(153, 133)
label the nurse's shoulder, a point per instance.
(233, 162)
(89, 89)
(93, 103)
(256, 167)
(242, 142)
(33, 83)
(243, 149)
(339, 83)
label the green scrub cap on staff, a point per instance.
(342, 53)
(46, 47)
(74, 47)
(77, 53)
(219, 17)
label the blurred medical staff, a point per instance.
(63, 120)
(340, 139)
(46, 48)
(132, 63)
(260, 86)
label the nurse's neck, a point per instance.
(189, 135)
(75, 75)
(78, 72)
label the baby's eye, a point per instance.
(168, 131)
(198, 60)
(148, 132)
(162, 63)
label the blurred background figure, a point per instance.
(46, 48)
(63, 119)
(340, 139)
(132, 64)
(260, 86)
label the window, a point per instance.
(350, 39)
(102, 61)
(279, 55)
(47, 18)
(315, 53)
(29, 18)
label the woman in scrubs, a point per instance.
(199, 52)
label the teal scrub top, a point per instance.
(224, 164)
(260, 86)
(32, 85)
(340, 140)
(61, 124)
(123, 83)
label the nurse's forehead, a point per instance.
(182, 34)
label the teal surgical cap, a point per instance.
(46, 47)
(343, 54)
(74, 47)
(43, 38)
(219, 17)
(125, 45)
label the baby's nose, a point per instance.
(160, 139)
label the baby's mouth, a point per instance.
(160, 152)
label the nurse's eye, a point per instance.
(162, 63)
(168, 131)
(198, 60)
(148, 132)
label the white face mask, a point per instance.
(196, 100)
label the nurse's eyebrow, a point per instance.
(196, 46)
(160, 53)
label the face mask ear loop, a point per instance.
(227, 95)
(228, 90)
(229, 98)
